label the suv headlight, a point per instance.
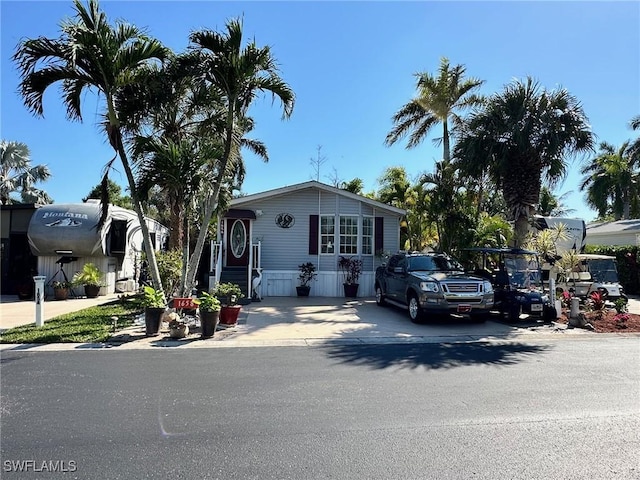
(487, 287)
(429, 287)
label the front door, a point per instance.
(237, 242)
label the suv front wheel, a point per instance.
(415, 314)
(380, 297)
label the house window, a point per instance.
(348, 235)
(367, 235)
(327, 233)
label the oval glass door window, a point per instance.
(238, 238)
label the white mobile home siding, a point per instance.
(283, 249)
(621, 232)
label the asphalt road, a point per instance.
(562, 409)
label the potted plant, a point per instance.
(228, 294)
(154, 307)
(209, 307)
(89, 277)
(351, 269)
(307, 273)
(61, 290)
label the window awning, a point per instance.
(240, 213)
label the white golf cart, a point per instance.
(592, 274)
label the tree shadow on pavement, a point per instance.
(433, 355)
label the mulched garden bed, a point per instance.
(605, 321)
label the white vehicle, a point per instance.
(593, 273)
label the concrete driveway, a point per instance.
(307, 321)
(313, 318)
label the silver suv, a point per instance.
(432, 283)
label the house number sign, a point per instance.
(285, 220)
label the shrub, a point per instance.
(89, 275)
(228, 292)
(307, 273)
(351, 269)
(170, 269)
(597, 300)
(152, 298)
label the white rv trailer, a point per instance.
(66, 236)
(576, 232)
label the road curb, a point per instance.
(311, 342)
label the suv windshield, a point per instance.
(437, 263)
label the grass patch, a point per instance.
(93, 324)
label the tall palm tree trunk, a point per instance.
(115, 138)
(446, 146)
(210, 205)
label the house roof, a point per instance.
(618, 227)
(237, 202)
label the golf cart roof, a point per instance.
(502, 251)
(592, 256)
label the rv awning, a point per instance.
(240, 213)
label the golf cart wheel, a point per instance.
(549, 313)
(380, 301)
(415, 314)
(514, 313)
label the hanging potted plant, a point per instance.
(61, 290)
(228, 294)
(351, 269)
(89, 277)
(209, 308)
(154, 307)
(307, 273)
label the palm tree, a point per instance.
(438, 101)
(237, 74)
(612, 181)
(550, 205)
(634, 148)
(394, 190)
(17, 175)
(444, 209)
(522, 135)
(176, 167)
(91, 54)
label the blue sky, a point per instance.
(351, 65)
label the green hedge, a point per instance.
(628, 259)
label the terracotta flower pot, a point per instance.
(229, 314)
(60, 293)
